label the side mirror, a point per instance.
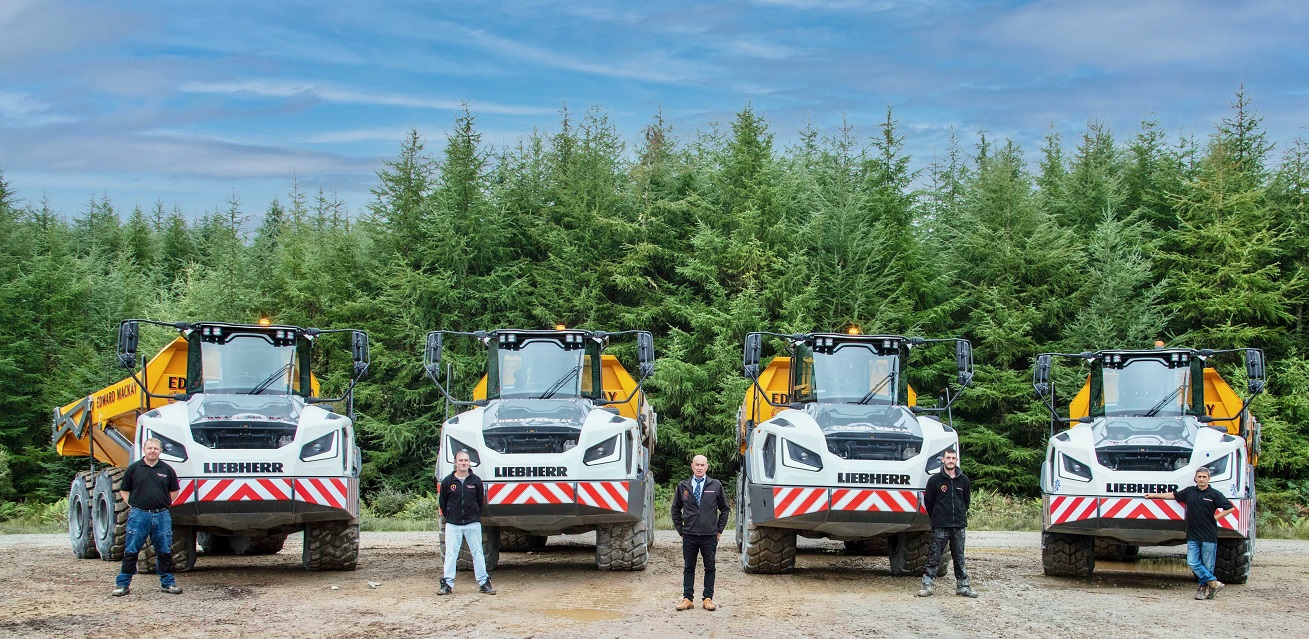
(128, 337)
(1254, 370)
(359, 350)
(432, 355)
(963, 358)
(1041, 376)
(645, 354)
(754, 348)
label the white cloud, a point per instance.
(24, 110)
(328, 93)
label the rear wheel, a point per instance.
(1114, 550)
(81, 529)
(490, 549)
(517, 541)
(183, 550)
(871, 547)
(109, 515)
(1067, 555)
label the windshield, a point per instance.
(1146, 388)
(852, 374)
(249, 364)
(542, 369)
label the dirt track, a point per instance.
(558, 593)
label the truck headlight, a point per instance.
(172, 451)
(455, 446)
(602, 453)
(798, 456)
(1072, 469)
(935, 462)
(1221, 469)
(322, 448)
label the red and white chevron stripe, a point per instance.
(520, 493)
(253, 489)
(609, 495)
(1139, 508)
(333, 492)
(185, 491)
(1066, 508)
(791, 501)
(874, 500)
(1237, 520)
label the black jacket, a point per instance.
(946, 499)
(461, 503)
(691, 518)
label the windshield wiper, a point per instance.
(554, 388)
(263, 386)
(1164, 402)
(873, 393)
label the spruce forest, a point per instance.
(1109, 240)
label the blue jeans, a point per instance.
(455, 536)
(156, 527)
(1200, 556)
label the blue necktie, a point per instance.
(699, 485)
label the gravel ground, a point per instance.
(556, 592)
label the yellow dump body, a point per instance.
(776, 382)
(1219, 401)
(615, 383)
(103, 424)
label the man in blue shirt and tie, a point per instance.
(695, 504)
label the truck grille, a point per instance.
(1143, 459)
(242, 435)
(873, 446)
(532, 441)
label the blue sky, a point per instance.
(194, 102)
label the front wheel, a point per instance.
(621, 546)
(764, 550)
(1067, 555)
(1234, 559)
(331, 545)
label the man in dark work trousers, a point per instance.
(149, 486)
(946, 500)
(694, 506)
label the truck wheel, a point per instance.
(871, 547)
(490, 549)
(109, 515)
(331, 545)
(1234, 558)
(211, 544)
(1113, 550)
(907, 553)
(517, 541)
(266, 545)
(621, 546)
(81, 530)
(766, 550)
(1067, 555)
(183, 552)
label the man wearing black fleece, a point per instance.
(946, 500)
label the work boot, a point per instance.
(1213, 588)
(709, 604)
(686, 604)
(486, 588)
(445, 589)
(172, 590)
(926, 591)
(1202, 593)
(966, 591)
(119, 591)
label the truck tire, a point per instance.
(266, 545)
(907, 553)
(331, 545)
(1114, 550)
(109, 515)
(621, 546)
(211, 544)
(1234, 559)
(766, 550)
(517, 541)
(490, 549)
(183, 552)
(872, 547)
(81, 529)
(1067, 555)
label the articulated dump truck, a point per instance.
(1143, 422)
(237, 411)
(833, 445)
(562, 436)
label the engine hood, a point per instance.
(536, 415)
(839, 419)
(211, 408)
(1178, 432)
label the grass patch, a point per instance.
(993, 511)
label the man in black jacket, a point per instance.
(946, 500)
(461, 496)
(694, 506)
